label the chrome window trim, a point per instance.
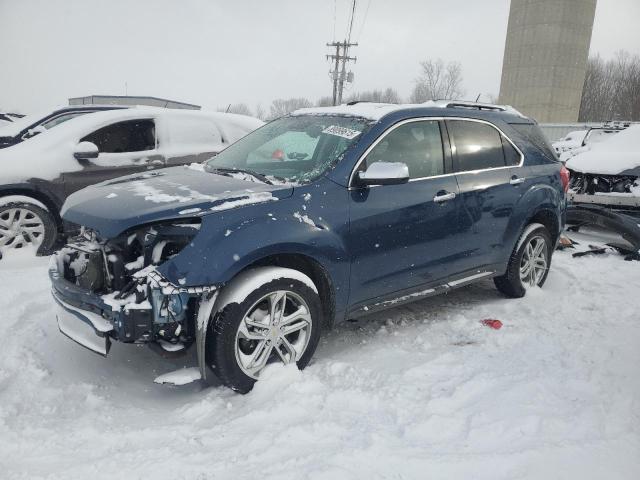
(422, 119)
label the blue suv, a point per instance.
(320, 216)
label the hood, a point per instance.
(114, 206)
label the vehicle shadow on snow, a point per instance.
(347, 335)
(128, 365)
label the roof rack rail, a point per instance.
(479, 106)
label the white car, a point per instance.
(36, 176)
(576, 141)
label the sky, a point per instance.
(216, 52)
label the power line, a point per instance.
(335, 9)
(364, 20)
(340, 59)
(353, 14)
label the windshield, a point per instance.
(293, 149)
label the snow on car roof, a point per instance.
(20, 161)
(617, 154)
(375, 111)
(369, 110)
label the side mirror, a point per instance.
(384, 173)
(85, 151)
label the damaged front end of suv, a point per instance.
(604, 188)
(114, 287)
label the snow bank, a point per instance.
(612, 156)
(422, 391)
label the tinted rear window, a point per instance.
(477, 145)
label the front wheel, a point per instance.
(278, 322)
(529, 263)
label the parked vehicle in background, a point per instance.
(574, 141)
(6, 117)
(608, 172)
(29, 126)
(319, 216)
(36, 176)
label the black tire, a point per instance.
(223, 330)
(511, 283)
(49, 233)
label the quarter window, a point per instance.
(416, 144)
(477, 145)
(128, 136)
(511, 155)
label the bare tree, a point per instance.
(261, 113)
(324, 102)
(239, 108)
(389, 95)
(282, 106)
(438, 81)
(611, 89)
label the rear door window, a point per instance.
(127, 136)
(475, 145)
(188, 130)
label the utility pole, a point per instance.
(339, 73)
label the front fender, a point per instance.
(312, 222)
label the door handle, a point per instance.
(516, 180)
(444, 197)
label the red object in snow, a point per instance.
(492, 323)
(564, 178)
(278, 154)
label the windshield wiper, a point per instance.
(229, 171)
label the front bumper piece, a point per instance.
(84, 328)
(84, 317)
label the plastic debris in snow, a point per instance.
(492, 323)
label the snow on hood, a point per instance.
(114, 206)
(616, 155)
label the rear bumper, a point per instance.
(621, 201)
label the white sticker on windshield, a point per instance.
(341, 132)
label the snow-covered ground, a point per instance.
(421, 391)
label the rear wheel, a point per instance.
(278, 322)
(24, 225)
(529, 263)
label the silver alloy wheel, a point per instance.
(533, 265)
(20, 227)
(278, 326)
